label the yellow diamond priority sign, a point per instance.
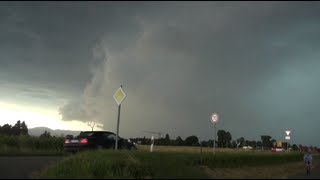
(119, 96)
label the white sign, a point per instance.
(214, 118)
(288, 133)
(152, 142)
(288, 137)
(119, 96)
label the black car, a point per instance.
(90, 140)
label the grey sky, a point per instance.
(256, 63)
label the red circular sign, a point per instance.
(214, 118)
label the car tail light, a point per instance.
(66, 141)
(84, 141)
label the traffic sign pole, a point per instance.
(119, 108)
(214, 141)
(119, 96)
(288, 138)
(214, 120)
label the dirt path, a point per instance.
(315, 172)
(282, 171)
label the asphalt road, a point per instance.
(23, 167)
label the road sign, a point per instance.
(119, 95)
(288, 137)
(214, 118)
(288, 132)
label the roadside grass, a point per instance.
(164, 162)
(158, 165)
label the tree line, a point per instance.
(20, 128)
(224, 140)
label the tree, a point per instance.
(224, 138)
(234, 144)
(6, 129)
(167, 140)
(91, 124)
(16, 129)
(210, 143)
(221, 137)
(179, 141)
(241, 141)
(247, 143)
(46, 134)
(228, 139)
(24, 128)
(204, 143)
(295, 147)
(254, 144)
(266, 141)
(259, 144)
(191, 141)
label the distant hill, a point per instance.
(37, 131)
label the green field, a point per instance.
(143, 164)
(164, 162)
(27, 145)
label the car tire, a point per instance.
(99, 147)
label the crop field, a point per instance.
(170, 162)
(194, 149)
(163, 162)
(27, 145)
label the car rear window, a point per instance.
(86, 134)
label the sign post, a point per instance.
(214, 120)
(118, 96)
(288, 138)
(152, 142)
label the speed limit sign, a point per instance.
(214, 118)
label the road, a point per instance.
(23, 167)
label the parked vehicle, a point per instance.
(247, 147)
(91, 140)
(277, 149)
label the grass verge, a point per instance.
(159, 165)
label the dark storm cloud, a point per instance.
(50, 44)
(178, 62)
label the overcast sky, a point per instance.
(255, 63)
